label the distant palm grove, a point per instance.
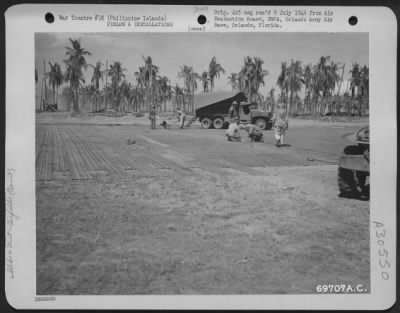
(306, 89)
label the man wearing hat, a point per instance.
(152, 117)
(280, 120)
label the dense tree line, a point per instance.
(305, 89)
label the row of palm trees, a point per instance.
(321, 84)
(118, 94)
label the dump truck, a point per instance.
(213, 110)
(353, 172)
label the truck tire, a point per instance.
(206, 123)
(352, 183)
(347, 183)
(261, 123)
(218, 123)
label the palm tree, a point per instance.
(360, 80)
(59, 79)
(244, 75)
(250, 77)
(204, 81)
(193, 83)
(164, 90)
(158, 93)
(141, 89)
(307, 76)
(137, 97)
(214, 70)
(293, 81)
(281, 80)
(117, 75)
(259, 73)
(364, 75)
(258, 77)
(55, 78)
(355, 80)
(325, 79)
(124, 93)
(233, 81)
(179, 96)
(319, 81)
(365, 86)
(149, 72)
(75, 62)
(97, 75)
(190, 81)
(36, 76)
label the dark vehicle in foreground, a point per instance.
(213, 110)
(353, 172)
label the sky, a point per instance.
(170, 51)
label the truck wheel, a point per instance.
(261, 123)
(218, 123)
(352, 183)
(206, 123)
(347, 183)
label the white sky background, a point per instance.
(170, 51)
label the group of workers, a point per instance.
(279, 119)
(164, 124)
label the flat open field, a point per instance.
(186, 212)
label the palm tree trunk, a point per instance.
(75, 103)
(54, 95)
(57, 98)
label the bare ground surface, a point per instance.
(186, 212)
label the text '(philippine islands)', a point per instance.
(112, 20)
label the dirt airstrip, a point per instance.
(186, 212)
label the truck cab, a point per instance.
(249, 114)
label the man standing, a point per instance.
(280, 120)
(234, 112)
(152, 117)
(181, 117)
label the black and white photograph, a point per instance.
(202, 163)
(200, 157)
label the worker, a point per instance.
(164, 124)
(281, 124)
(255, 133)
(181, 118)
(234, 111)
(233, 133)
(152, 117)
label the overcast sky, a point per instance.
(171, 51)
